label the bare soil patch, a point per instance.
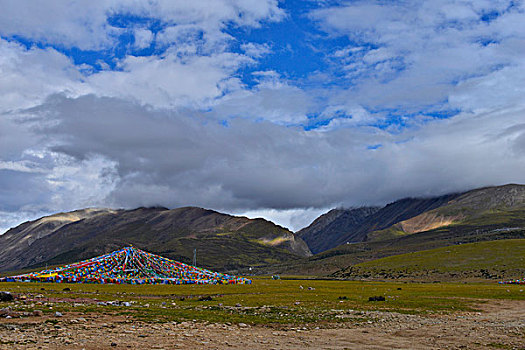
(500, 325)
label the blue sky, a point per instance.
(281, 109)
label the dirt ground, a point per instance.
(500, 325)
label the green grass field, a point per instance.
(483, 260)
(265, 301)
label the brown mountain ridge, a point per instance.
(222, 241)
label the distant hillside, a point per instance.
(334, 228)
(347, 255)
(503, 259)
(468, 208)
(222, 241)
(340, 226)
(485, 214)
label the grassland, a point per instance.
(483, 260)
(265, 301)
(347, 255)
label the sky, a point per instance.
(279, 109)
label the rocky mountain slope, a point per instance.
(485, 214)
(222, 241)
(340, 226)
(335, 227)
(463, 209)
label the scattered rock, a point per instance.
(113, 344)
(206, 298)
(311, 288)
(7, 312)
(377, 298)
(58, 314)
(343, 298)
(6, 296)
(243, 325)
(67, 289)
(38, 313)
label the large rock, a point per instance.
(6, 296)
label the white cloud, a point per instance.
(143, 38)
(140, 156)
(272, 99)
(28, 76)
(168, 80)
(87, 25)
(256, 50)
(419, 50)
(23, 166)
(81, 24)
(150, 133)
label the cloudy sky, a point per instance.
(281, 109)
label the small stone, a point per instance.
(113, 344)
(58, 314)
(243, 325)
(38, 313)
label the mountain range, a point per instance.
(339, 238)
(413, 225)
(222, 241)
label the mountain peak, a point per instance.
(408, 216)
(223, 240)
